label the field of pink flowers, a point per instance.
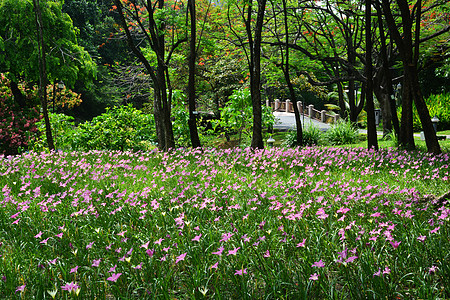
(316, 223)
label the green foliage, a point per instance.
(437, 106)
(17, 124)
(63, 131)
(342, 132)
(180, 119)
(311, 136)
(120, 128)
(66, 60)
(236, 116)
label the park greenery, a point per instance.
(135, 163)
(115, 53)
(290, 223)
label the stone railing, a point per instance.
(310, 111)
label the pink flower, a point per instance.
(267, 254)
(88, 246)
(197, 238)
(114, 277)
(44, 241)
(386, 271)
(130, 251)
(301, 244)
(112, 269)
(314, 277)
(122, 233)
(421, 238)
(351, 259)
(73, 286)
(219, 252)
(74, 270)
(378, 273)
(180, 258)
(234, 251)
(60, 235)
(226, 236)
(435, 229)
(214, 266)
(241, 272)
(318, 264)
(159, 241)
(145, 245)
(38, 235)
(150, 252)
(20, 288)
(96, 263)
(432, 270)
(395, 244)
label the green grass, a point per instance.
(304, 223)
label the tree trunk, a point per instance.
(157, 113)
(255, 72)
(424, 115)
(160, 77)
(372, 141)
(390, 118)
(409, 53)
(192, 122)
(385, 106)
(406, 136)
(18, 96)
(43, 74)
(287, 77)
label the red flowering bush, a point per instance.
(17, 124)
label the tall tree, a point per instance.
(407, 40)
(43, 72)
(192, 122)
(252, 47)
(40, 45)
(372, 141)
(285, 63)
(148, 22)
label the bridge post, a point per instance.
(336, 118)
(310, 110)
(323, 116)
(287, 105)
(300, 107)
(277, 104)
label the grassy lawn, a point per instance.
(316, 223)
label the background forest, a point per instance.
(138, 74)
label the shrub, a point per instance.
(311, 136)
(437, 106)
(63, 131)
(342, 132)
(120, 128)
(236, 116)
(17, 124)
